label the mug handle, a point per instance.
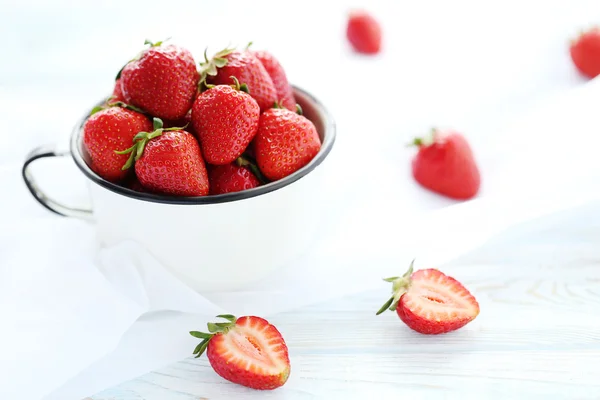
(39, 195)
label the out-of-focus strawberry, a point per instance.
(585, 52)
(445, 165)
(363, 32)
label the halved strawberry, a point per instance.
(247, 350)
(430, 302)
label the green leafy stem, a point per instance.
(214, 328)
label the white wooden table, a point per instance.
(538, 334)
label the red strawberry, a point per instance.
(162, 81)
(168, 160)
(231, 178)
(247, 350)
(585, 52)
(364, 32)
(226, 120)
(285, 142)
(247, 69)
(117, 94)
(430, 302)
(285, 94)
(107, 130)
(445, 164)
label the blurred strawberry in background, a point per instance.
(363, 32)
(585, 52)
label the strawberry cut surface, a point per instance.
(430, 302)
(436, 303)
(248, 351)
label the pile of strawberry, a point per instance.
(174, 128)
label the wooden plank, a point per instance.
(538, 336)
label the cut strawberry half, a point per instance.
(431, 302)
(248, 351)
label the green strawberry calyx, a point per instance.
(210, 67)
(142, 138)
(426, 140)
(246, 161)
(400, 285)
(109, 103)
(214, 328)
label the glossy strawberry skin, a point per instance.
(285, 142)
(117, 94)
(226, 121)
(233, 369)
(364, 32)
(172, 164)
(285, 94)
(231, 178)
(421, 319)
(248, 70)
(585, 53)
(110, 130)
(163, 81)
(447, 167)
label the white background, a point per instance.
(473, 65)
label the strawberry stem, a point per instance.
(299, 110)
(237, 86)
(214, 328)
(400, 286)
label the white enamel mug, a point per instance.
(211, 243)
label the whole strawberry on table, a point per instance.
(178, 128)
